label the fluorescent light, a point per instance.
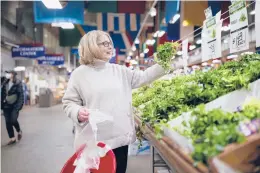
(161, 33)
(130, 53)
(134, 62)
(156, 34)
(175, 18)
(63, 25)
(252, 12)
(179, 53)
(141, 55)
(192, 47)
(232, 56)
(216, 61)
(146, 50)
(199, 41)
(137, 41)
(225, 41)
(52, 4)
(19, 68)
(150, 42)
(11, 44)
(195, 67)
(153, 12)
(133, 48)
(204, 64)
(225, 28)
(247, 53)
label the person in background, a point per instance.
(25, 91)
(11, 103)
(97, 84)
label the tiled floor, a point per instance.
(47, 143)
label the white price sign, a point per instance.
(257, 22)
(211, 39)
(185, 51)
(208, 13)
(238, 27)
(239, 39)
(212, 48)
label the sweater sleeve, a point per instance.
(72, 101)
(139, 78)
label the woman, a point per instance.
(97, 84)
(11, 103)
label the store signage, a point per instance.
(211, 38)
(239, 35)
(51, 59)
(28, 52)
(208, 13)
(257, 23)
(185, 52)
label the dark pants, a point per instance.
(11, 117)
(121, 154)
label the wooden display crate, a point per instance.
(241, 157)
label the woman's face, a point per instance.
(106, 47)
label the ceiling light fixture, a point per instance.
(52, 4)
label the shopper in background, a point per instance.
(97, 84)
(11, 103)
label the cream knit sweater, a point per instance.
(108, 88)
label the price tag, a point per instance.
(185, 49)
(239, 39)
(212, 48)
(211, 39)
(208, 13)
(257, 22)
(238, 27)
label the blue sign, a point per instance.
(73, 12)
(28, 52)
(51, 59)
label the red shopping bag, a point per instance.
(107, 163)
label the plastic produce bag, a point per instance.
(90, 157)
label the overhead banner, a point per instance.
(118, 22)
(257, 23)
(211, 37)
(51, 59)
(72, 12)
(28, 52)
(239, 35)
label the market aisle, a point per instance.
(47, 143)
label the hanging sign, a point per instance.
(51, 59)
(208, 13)
(185, 52)
(238, 27)
(28, 52)
(257, 23)
(211, 38)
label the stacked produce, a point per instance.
(210, 131)
(164, 100)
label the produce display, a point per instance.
(210, 131)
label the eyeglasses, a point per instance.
(105, 43)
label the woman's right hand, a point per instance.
(83, 115)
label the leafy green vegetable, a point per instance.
(212, 131)
(165, 54)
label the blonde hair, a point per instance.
(88, 48)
